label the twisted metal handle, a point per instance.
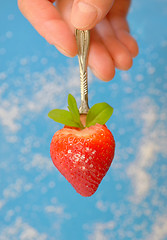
(83, 39)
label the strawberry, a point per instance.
(84, 149)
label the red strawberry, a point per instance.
(83, 155)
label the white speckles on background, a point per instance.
(21, 230)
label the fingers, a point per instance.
(45, 18)
(87, 13)
(107, 51)
(128, 41)
(121, 29)
(117, 19)
(111, 48)
(120, 8)
(64, 7)
(119, 53)
(100, 61)
(111, 44)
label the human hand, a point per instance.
(111, 45)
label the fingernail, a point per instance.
(83, 15)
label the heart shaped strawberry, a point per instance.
(84, 149)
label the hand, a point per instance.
(111, 44)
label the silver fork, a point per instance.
(83, 39)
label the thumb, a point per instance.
(87, 13)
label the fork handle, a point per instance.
(83, 40)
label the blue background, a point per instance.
(36, 202)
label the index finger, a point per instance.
(45, 18)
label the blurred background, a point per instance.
(36, 202)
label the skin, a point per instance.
(111, 45)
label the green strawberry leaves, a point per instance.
(72, 106)
(99, 113)
(70, 118)
(62, 116)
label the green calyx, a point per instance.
(98, 113)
